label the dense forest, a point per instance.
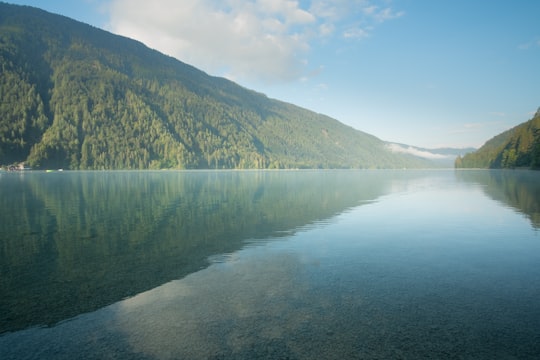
(517, 147)
(77, 97)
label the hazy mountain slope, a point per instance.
(77, 97)
(517, 147)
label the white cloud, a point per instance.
(266, 40)
(370, 10)
(387, 14)
(326, 29)
(355, 33)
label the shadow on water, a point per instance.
(517, 189)
(74, 242)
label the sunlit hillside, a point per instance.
(77, 97)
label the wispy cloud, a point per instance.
(486, 127)
(386, 14)
(529, 45)
(356, 18)
(356, 33)
(266, 40)
(469, 127)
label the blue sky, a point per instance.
(428, 73)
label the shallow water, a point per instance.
(277, 265)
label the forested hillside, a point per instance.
(517, 147)
(77, 97)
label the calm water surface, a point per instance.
(271, 265)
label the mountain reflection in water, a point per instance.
(73, 242)
(297, 265)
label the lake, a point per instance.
(348, 264)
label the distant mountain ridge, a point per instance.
(77, 97)
(516, 147)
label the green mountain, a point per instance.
(517, 147)
(77, 97)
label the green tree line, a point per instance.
(518, 147)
